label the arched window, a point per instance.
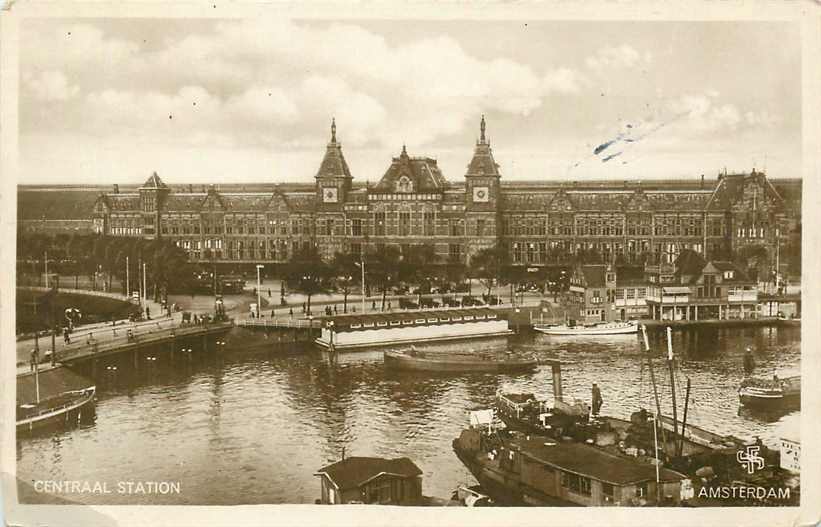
(404, 184)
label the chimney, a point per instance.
(116, 188)
(204, 189)
(190, 188)
(702, 181)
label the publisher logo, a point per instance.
(750, 459)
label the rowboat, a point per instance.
(600, 328)
(456, 362)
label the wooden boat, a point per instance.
(57, 396)
(456, 362)
(600, 328)
(770, 393)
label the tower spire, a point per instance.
(482, 130)
(333, 129)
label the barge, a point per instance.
(354, 331)
(450, 362)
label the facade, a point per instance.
(539, 223)
(606, 293)
(371, 480)
(692, 289)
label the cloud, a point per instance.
(259, 80)
(703, 115)
(50, 86)
(618, 57)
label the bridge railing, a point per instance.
(279, 323)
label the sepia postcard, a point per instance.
(387, 263)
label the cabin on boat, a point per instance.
(390, 328)
(371, 480)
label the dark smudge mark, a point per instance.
(602, 146)
(611, 156)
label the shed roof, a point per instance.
(354, 471)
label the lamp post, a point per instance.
(361, 265)
(259, 289)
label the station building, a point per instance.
(539, 223)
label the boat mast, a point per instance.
(655, 388)
(684, 421)
(672, 381)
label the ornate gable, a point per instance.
(412, 174)
(638, 202)
(561, 202)
(213, 201)
(277, 203)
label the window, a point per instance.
(428, 228)
(607, 492)
(379, 223)
(455, 252)
(641, 490)
(480, 227)
(576, 483)
(356, 227)
(404, 224)
(457, 227)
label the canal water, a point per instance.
(252, 423)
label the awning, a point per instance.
(680, 290)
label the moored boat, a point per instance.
(396, 327)
(600, 328)
(457, 362)
(770, 393)
(57, 396)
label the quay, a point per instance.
(746, 322)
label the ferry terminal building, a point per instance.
(539, 223)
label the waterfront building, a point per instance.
(539, 223)
(371, 480)
(606, 293)
(694, 289)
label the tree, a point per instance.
(306, 273)
(383, 267)
(346, 273)
(487, 265)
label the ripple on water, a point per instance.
(254, 427)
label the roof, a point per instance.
(722, 266)
(594, 275)
(333, 164)
(354, 471)
(689, 263)
(593, 462)
(154, 181)
(676, 290)
(482, 164)
(412, 174)
(53, 382)
(630, 275)
(346, 320)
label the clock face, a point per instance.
(481, 195)
(329, 195)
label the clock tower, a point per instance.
(482, 195)
(333, 179)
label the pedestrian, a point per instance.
(336, 309)
(33, 360)
(303, 307)
(389, 306)
(66, 335)
(269, 292)
(373, 305)
(291, 312)
(597, 399)
(749, 361)
(273, 313)
(147, 312)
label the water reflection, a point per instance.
(252, 424)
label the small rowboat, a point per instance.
(457, 362)
(603, 328)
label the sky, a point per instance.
(208, 101)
